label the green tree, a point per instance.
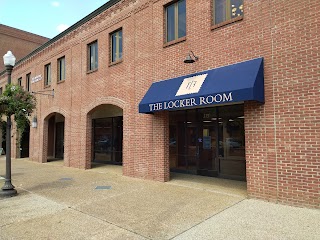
(19, 103)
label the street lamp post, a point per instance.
(8, 189)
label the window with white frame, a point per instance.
(116, 40)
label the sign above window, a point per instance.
(233, 83)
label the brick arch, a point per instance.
(44, 120)
(106, 100)
(99, 101)
(52, 110)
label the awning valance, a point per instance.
(239, 82)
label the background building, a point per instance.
(18, 41)
(21, 43)
(103, 66)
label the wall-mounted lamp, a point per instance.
(191, 58)
(34, 123)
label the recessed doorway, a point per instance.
(208, 141)
(107, 134)
(55, 144)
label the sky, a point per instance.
(45, 17)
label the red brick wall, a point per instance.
(284, 167)
(282, 146)
(19, 42)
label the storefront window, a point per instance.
(208, 141)
(231, 140)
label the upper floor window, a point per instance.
(20, 81)
(61, 69)
(47, 74)
(93, 56)
(175, 20)
(28, 78)
(226, 10)
(116, 46)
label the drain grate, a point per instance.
(102, 187)
(65, 179)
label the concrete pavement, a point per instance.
(57, 202)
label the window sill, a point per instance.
(61, 81)
(116, 62)
(92, 71)
(47, 86)
(167, 44)
(232, 20)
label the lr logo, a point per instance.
(191, 85)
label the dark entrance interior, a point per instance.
(209, 142)
(56, 137)
(24, 142)
(59, 145)
(107, 131)
(3, 136)
(107, 140)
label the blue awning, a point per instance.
(239, 82)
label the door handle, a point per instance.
(198, 151)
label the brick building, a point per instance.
(244, 104)
(20, 42)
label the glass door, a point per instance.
(184, 141)
(102, 139)
(59, 147)
(107, 140)
(207, 151)
(208, 145)
(208, 141)
(192, 147)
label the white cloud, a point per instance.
(55, 4)
(61, 27)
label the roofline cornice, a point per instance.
(68, 30)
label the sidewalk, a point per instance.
(57, 202)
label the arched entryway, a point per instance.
(55, 141)
(107, 134)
